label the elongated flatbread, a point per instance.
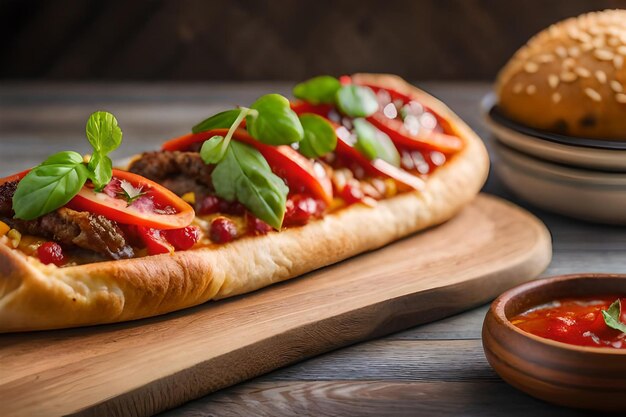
(35, 296)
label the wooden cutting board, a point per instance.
(150, 365)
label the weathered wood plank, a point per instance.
(407, 360)
(371, 398)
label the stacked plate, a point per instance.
(577, 177)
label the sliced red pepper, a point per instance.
(433, 141)
(301, 107)
(375, 167)
(178, 214)
(14, 177)
(299, 172)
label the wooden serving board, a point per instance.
(150, 365)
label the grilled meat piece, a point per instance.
(69, 227)
(166, 165)
(6, 198)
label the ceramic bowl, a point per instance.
(608, 155)
(559, 373)
(584, 194)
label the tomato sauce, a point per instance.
(574, 321)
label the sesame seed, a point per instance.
(593, 94)
(621, 50)
(584, 37)
(583, 72)
(569, 63)
(553, 80)
(531, 67)
(586, 47)
(556, 97)
(616, 86)
(568, 77)
(603, 54)
(545, 58)
(517, 88)
(618, 61)
(598, 42)
(613, 41)
(621, 98)
(601, 76)
(561, 52)
(574, 51)
(531, 89)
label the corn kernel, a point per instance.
(4, 228)
(15, 237)
(189, 197)
(390, 188)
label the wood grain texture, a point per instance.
(371, 398)
(111, 369)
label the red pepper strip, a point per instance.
(433, 141)
(14, 177)
(287, 163)
(377, 167)
(184, 142)
(301, 107)
(154, 240)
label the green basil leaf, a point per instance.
(275, 123)
(356, 101)
(103, 132)
(244, 175)
(50, 185)
(612, 319)
(318, 90)
(373, 143)
(213, 150)
(223, 120)
(319, 136)
(101, 169)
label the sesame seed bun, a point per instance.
(570, 78)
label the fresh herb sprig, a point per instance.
(58, 179)
(612, 317)
(241, 172)
(353, 101)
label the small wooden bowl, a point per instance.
(563, 374)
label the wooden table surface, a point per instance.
(435, 369)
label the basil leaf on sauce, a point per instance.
(356, 101)
(275, 123)
(319, 136)
(373, 143)
(50, 185)
(318, 90)
(612, 317)
(244, 175)
(213, 150)
(222, 120)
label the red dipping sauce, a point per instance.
(574, 321)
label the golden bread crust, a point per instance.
(570, 78)
(35, 296)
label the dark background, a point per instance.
(269, 40)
